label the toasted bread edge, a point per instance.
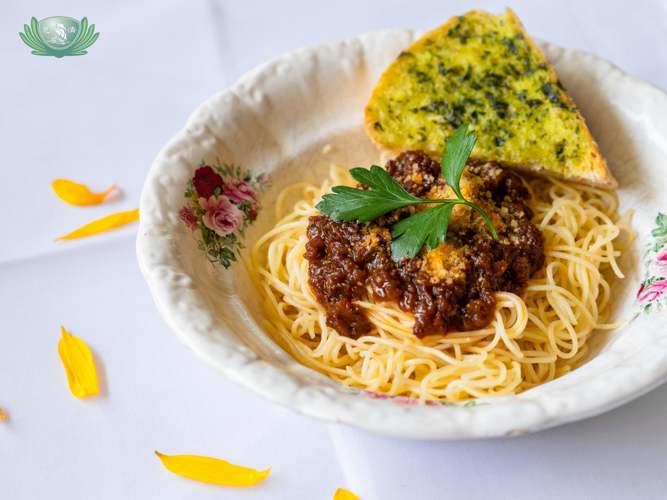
(602, 176)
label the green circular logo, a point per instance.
(59, 36)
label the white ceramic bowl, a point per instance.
(277, 119)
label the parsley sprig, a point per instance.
(349, 204)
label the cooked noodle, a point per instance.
(531, 340)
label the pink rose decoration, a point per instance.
(221, 216)
(187, 215)
(652, 292)
(263, 179)
(658, 267)
(238, 191)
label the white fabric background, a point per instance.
(101, 119)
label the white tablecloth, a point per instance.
(101, 119)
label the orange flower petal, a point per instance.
(79, 365)
(342, 494)
(104, 224)
(78, 194)
(1, 414)
(211, 470)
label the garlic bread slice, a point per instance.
(485, 70)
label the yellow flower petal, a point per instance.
(78, 194)
(211, 470)
(342, 494)
(79, 365)
(104, 224)
(1, 414)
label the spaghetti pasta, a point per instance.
(532, 339)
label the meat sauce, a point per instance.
(447, 289)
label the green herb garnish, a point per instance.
(349, 204)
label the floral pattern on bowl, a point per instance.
(225, 200)
(409, 401)
(652, 294)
